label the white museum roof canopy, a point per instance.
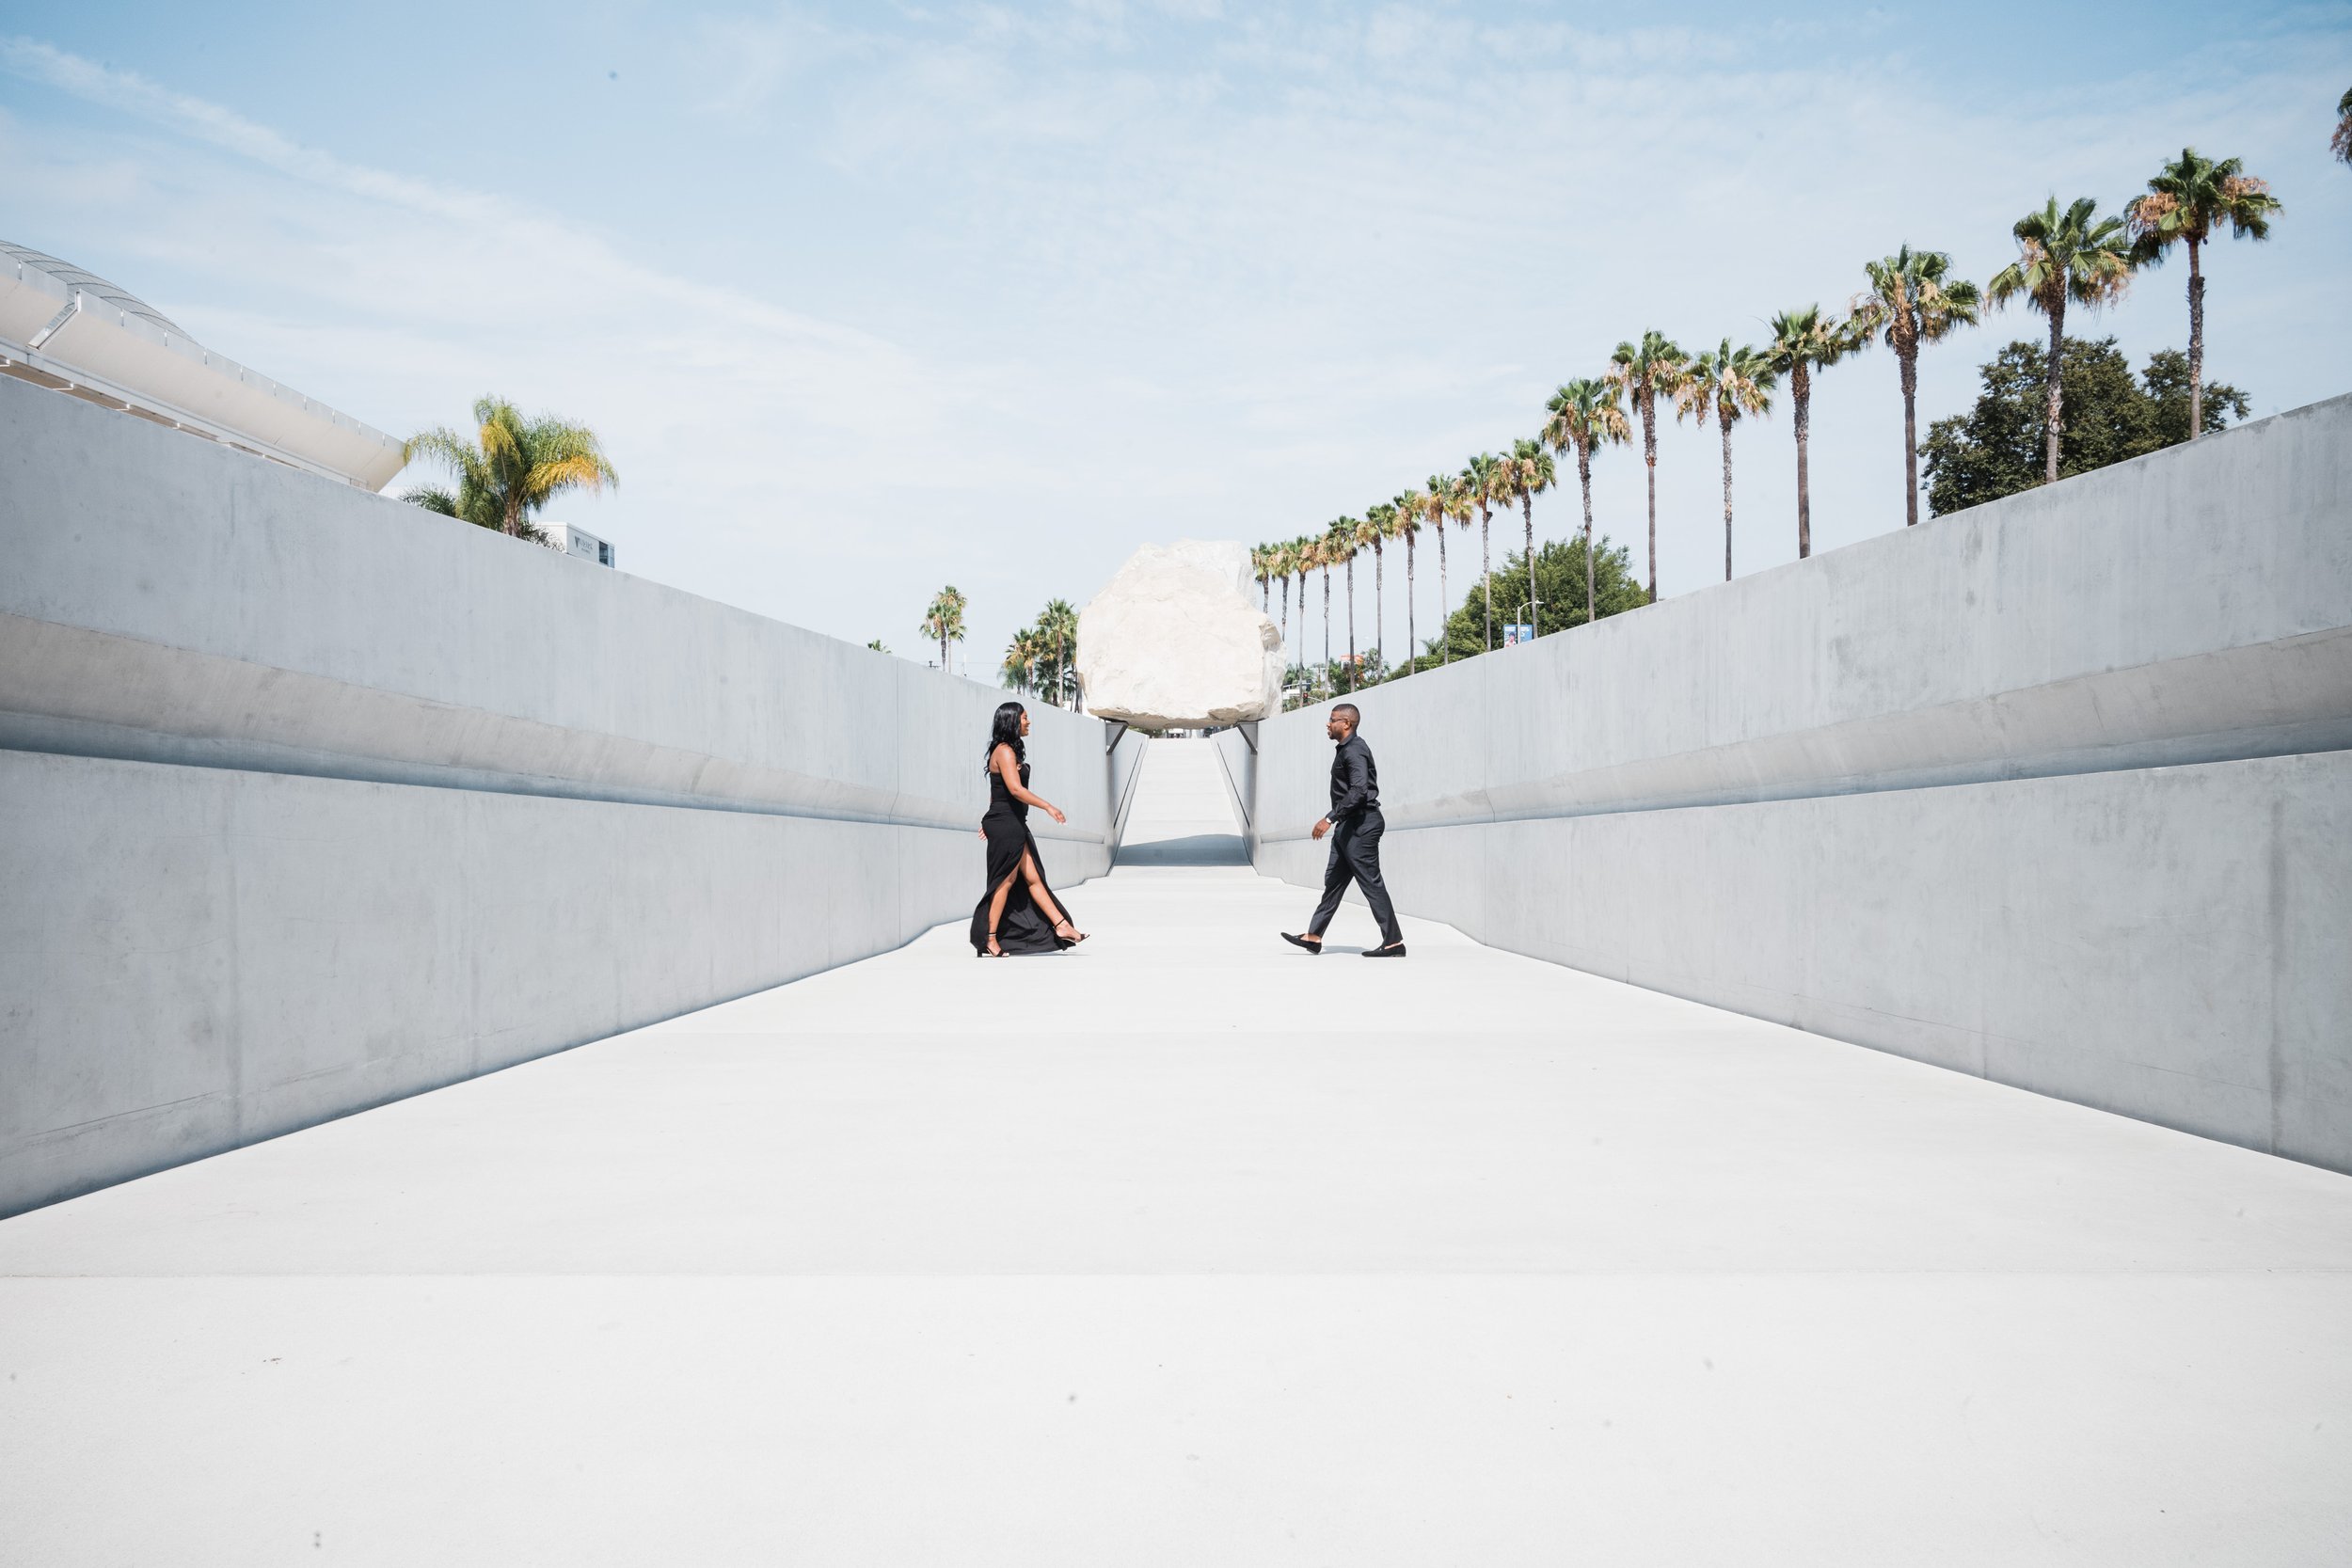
(69, 329)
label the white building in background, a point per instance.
(75, 333)
(574, 540)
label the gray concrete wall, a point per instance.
(2053, 790)
(309, 800)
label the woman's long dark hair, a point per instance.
(1006, 731)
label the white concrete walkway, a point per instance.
(1189, 1248)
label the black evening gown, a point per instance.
(1023, 928)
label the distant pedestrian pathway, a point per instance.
(1186, 1248)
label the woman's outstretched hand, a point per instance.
(1056, 814)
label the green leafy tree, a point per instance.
(1912, 300)
(2187, 203)
(1584, 419)
(1726, 385)
(2070, 257)
(943, 623)
(1805, 340)
(1559, 568)
(511, 468)
(1648, 371)
(877, 645)
(1997, 448)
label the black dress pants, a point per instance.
(1356, 857)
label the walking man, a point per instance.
(1355, 825)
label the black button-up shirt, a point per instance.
(1355, 781)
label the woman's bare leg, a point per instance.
(997, 905)
(1038, 895)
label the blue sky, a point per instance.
(866, 299)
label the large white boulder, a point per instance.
(1177, 641)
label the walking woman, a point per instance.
(1017, 913)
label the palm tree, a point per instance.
(1302, 561)
(1345, 546)
(1324, 562)
(1645, 370)
(2073, 255)
(1585, 417)
(1442, 498)
(1380, 527)
(1802, 342)
(1410, 507)
(1020, 666)
(2341, 143)
(1482, 484)
(1058, 625)
(1278, 562)
(1529, 473)
(2186, 203)
(1265, 578)
(943, 623)
(512, 469)
(1911, 302)
(1722, 386)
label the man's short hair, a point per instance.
(1350, 712)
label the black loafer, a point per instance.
(1302, 941)
(1396, 952)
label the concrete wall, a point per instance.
(2053, 790)
(309, 800)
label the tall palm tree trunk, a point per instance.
(1351, 623)
(1726, 422)
(1286, 611)
(1909, 361)
(1649, 465)
(1487, 574)
(1584, 479)
(2196, 344)
(1527, 506)
(2051, 408)
(1412, 638)
(1379, 606)
(1800, 394)
(1326, 620)
(1445, 600)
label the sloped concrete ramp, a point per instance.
(1188, 1248)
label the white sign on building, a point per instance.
(574, 540)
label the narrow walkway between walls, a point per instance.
(1186, 1248)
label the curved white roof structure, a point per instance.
(73, 331)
